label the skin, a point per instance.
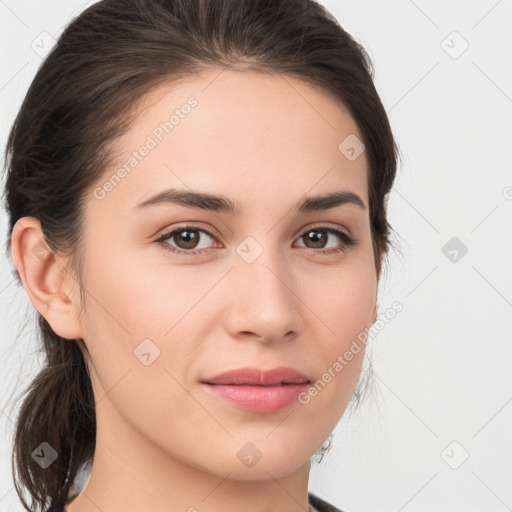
(163, 442)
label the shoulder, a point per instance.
(321, 505)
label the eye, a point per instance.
(318, 237)
(187, 239)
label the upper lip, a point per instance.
(259, 377)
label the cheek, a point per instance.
(137, 332)
(344, 302)
(138, 313)
(344, 308)
(138, 300)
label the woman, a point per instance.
(197, 198)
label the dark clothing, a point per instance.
(317, 505)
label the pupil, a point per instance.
(187, 237)
(315, 237)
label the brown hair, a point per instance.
(82, 99)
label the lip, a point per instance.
(256, 390)
(259, 377)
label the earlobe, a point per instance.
(44, 278)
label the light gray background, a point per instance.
(443, 364)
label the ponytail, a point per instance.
(55, 430)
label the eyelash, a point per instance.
(347, 241)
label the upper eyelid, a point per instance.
(166, 232)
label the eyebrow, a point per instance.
(219, 203)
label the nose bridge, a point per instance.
(262, 295)
(263, 274)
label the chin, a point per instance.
(268, 469)
(262, 458)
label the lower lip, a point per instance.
(258, 398)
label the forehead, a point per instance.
(239, 131)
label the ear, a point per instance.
(374, 317)
(48, 284)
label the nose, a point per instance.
(263, 304)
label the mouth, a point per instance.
(255, 390)
(259, 377)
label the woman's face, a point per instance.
(255, 287)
